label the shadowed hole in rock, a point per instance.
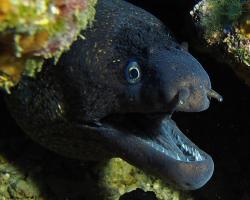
(138, 194)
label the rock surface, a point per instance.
(34, 30)
(224, 33)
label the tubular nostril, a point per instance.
(183, 96)
(212, 94)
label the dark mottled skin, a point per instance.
(66, 106)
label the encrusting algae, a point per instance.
(117, 178)
(14, 185)
(31, 30)
(226, 22)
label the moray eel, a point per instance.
(113, 94)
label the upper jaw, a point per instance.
(161, 149)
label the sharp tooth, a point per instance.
(177, 157)
(193, 152)
(198, 156)
(196, 153)
(184, 147)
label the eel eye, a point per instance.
(133, 72)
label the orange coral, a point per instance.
(11, 67)
(5, 7)
(33, 43)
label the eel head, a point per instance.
(142, 131)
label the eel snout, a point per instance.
(195, 98)
(183, 80)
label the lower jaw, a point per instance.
(165, 152)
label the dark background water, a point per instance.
(222, 131)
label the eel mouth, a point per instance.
(154, 143)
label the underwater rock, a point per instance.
(31, 30)
(225, 26)
(117, 178)
(14, 184)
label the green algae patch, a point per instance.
(34, 30)
(239, 46)
(14, 185)
(226, 23)
(117, 178)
